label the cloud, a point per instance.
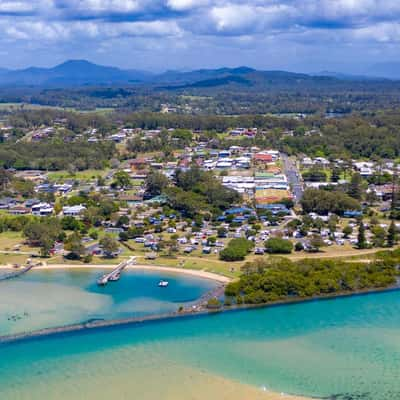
(23, 7)
(62, 30)
(184, 5)
(96, 7)
(30, 31)
(385, 32)
(209, 24)
(244, 19)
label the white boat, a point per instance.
(163, 283)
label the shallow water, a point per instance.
(348, 347)
(45, 298)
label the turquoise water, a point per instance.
(45, 298)
(348, 348)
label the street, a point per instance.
(294, 178)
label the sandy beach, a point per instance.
(142, 378)
(192, 272)
(193, 383)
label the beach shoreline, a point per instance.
(140, 267)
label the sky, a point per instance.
(157, 35)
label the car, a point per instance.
(206, 250)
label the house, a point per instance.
(238, 210)
(274, 208)
(73, 211)
(138, 164)
(237, 132)
(262, 158)
(19, 210)
(7, 202)
(224, 154)
(118, 137)
(307, 162)
(42, 210)
(224, 164)
(352, 214)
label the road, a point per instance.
(293, 176)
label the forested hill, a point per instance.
(74, 73)
(225, 91)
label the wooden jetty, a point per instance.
(115, 274)
(16, 274)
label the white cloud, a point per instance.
(152, 28)
(32, 31)
(184, 5)
(103, 7)
(213, 24)
(16, 7)
(66, 30)
(384, 33)
(235, 19)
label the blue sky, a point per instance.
(299, 35)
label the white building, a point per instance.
(73, 211)
(42, 210)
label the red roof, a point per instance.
(263, 157)
(138, 161)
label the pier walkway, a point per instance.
(16, 274)
(114, 275)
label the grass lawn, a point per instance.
(336, 252)
(28, 106)
(209, 264)
(12, 258)
(86, 175)
(59, 260)
(8, 241)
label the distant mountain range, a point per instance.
(71, 73)
(390, 70)
(84, 73)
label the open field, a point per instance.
(28, 106)
(86, 175)
(13, 242)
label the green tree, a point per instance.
(392, 235)
(278, 246)
(43, 233)
(324, 202)
(236, 250)
(221, 232)
(121, 180)
(361, 241)
(316, 242)
(355, 186)
(74, 245)
(347, 231)
(156, 182)
(109, 245)
(379, 236)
